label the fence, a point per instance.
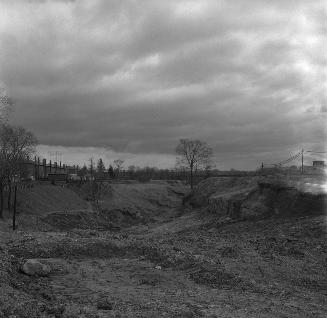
(40, 170)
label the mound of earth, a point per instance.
(255, 198)
(103, 220)
(45, 198)
(153, 197)
(35, 202)
(48, 207)
(219, 186)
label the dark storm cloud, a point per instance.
(136, 76)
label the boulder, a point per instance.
(34, 267)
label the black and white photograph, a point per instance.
(163, 158)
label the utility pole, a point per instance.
(14, 212)
(302, 161)
(35, 171)
(44, 169)
(38, 168)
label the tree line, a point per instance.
(193, 162)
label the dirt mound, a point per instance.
(219, 186)
(126, 204)
(46, 198)
(145, 197)
(253, 198)
(48, 207)
(35, 202)
(130, 204)
(104, 220)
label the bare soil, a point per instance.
(173, 261)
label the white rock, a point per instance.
(34, 267)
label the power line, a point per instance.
(310, 151)
(290, 159)
(299, 155)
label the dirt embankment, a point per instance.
(147, 201)
(255, 198)
(49, 207)
(39, 200)
(44, 198)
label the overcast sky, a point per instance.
(128, 79)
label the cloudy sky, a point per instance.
(128, 79)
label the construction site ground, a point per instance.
(157, 258)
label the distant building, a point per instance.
(318, 163)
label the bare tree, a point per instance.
(99, 190)
(194, 155)
(16, 145)
(119, 165)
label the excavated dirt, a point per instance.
(180, 262)
(256, 198)
(123, 206)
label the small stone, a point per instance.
(72, 311)
(187, 314)
(104, 304)
(56, 310)
(76, 311)
(34, 267)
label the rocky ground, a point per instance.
(167, 260)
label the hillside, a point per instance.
(245, 198)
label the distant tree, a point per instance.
(100, 168)
(131, 169)
(82, 172)
(111, 172)
(91, 166)
(119, 165)
(193, 155)
(99, 189)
